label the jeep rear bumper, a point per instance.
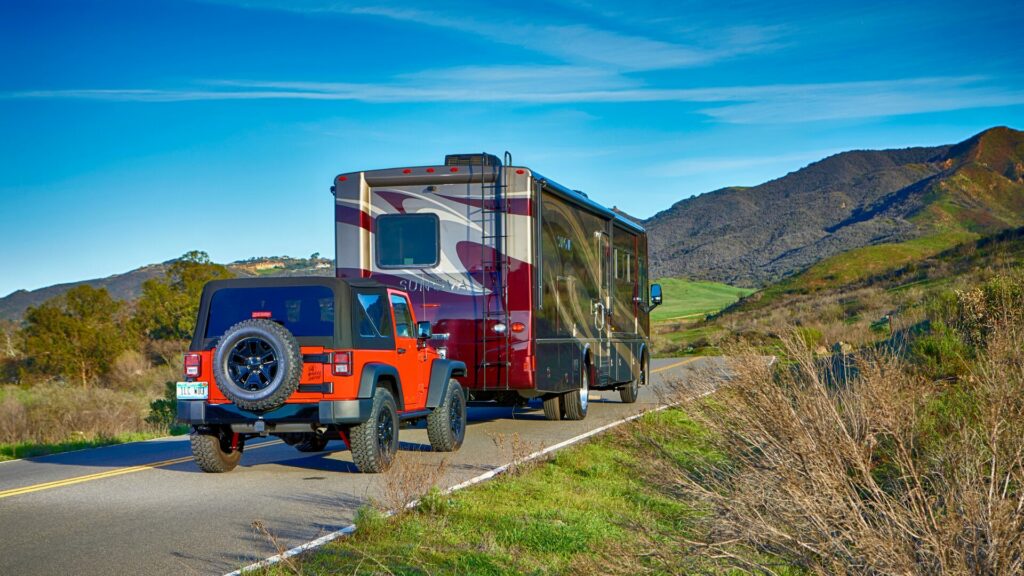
(326, 412)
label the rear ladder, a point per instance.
(495, 358)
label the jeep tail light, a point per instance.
(342, 364)
(193, 363)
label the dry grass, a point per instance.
(876, 471)
(516, 451)
(52, 413)
(407, 482)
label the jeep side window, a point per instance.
(403, 318)
(373, 316)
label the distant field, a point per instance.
(690, 298)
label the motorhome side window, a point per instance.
(407, 240)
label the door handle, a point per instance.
(401, 350)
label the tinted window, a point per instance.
(405, 240)
(372, 312)
(304, 310)
(403, 318)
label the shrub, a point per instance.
(890, 473)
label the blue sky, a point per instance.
(132, 132)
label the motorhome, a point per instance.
(541, 291)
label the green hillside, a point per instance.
(692, 299)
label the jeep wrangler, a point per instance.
(311, 360)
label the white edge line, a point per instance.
(347, 530)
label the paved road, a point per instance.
(145, 508)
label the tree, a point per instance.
(168, 306)
(76, 335)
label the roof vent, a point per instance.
(480, 159)
(581, 193)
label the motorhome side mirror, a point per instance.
(423, 331)
(655, 295)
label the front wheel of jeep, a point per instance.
(446, 425)
(375, 442)
(214, 453)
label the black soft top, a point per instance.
(346, 334)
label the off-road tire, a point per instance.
(446, 425)
(630, 392)
(367, 453)
(311, 443)
(289, 365)
(575, 402)
(553, 407)
(211, 455)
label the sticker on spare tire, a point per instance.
(193, 391)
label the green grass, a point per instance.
(685, 299)
(31, 450)
(593, 509)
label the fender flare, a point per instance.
(372, 373)
(441, 372)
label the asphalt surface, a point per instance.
(145, 508)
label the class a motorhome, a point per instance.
(541, 291)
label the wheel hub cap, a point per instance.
(252, 364)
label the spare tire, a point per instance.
(257, 365)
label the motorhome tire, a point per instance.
(575, 402)
(553, 407)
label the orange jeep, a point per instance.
(311, 360)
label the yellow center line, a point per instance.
(111, 473)
(677, 364)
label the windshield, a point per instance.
(303, 310)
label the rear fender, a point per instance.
(441, 373)
(372, 374)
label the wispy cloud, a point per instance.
(759, 104)
(573, 43)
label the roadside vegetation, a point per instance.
(837, 310)
(898, 456)
(83, 369)
(687, 304)
(599, 508)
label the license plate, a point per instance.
(193, 390)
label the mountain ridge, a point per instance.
(128, 285)
(752, 236)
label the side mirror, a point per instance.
(655, 295)
(423, 331)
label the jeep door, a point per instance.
(410, 360)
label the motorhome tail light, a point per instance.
(454, 168)
(520, 171)
(341, 363)
(518, 327)
(193, 364)
(263, 314)
(342, 178)
(407, 171)
(430, 170)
